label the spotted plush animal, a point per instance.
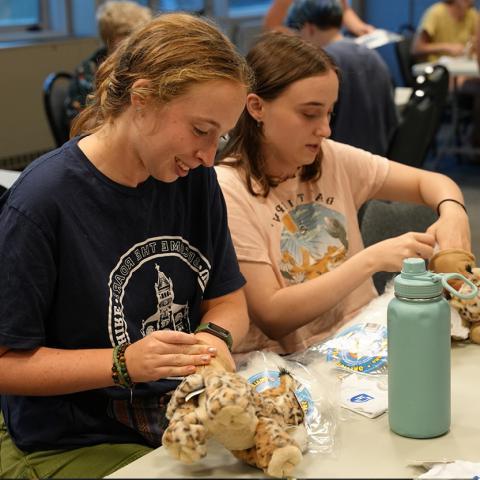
(224, 406)
(469, 310)
(279, 413)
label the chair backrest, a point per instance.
(421, 118)
(55, 91)
(405, 59)
(382, 219)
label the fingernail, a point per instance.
(206, 358)
(192, 368)
(212, 349)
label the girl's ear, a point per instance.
(139, 92)
(255, 106)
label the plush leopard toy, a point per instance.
(461, 261)
(255, 427)
(469, 310)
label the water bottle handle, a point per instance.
(465, 296)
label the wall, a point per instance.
(23, 125)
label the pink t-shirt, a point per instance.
(305, 229)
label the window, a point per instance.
(20, 14)
(174, 5)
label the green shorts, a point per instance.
(96, 461)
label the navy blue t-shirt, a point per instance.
(89, 263)
(365, 114)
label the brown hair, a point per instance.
(277, 60)
(174, 51)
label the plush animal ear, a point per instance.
(184, 393)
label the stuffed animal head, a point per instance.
(469, 310)
(224, 406)
(461, 261)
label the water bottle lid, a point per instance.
(415, 281)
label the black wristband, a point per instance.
(450, 200)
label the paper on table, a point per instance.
(457, 469)
(378, 38)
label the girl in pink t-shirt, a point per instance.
(293, 197)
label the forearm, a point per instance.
(276, 14)
(292, 307)
(50, 371)
(354, 24)
(435, 187)
(229, 312)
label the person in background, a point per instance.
(446, 28)
(449, 28)
(116, 20)
(351, 21)
(365, 115)
(118, 270)
(292, 198)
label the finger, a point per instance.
(427, 238)
(424, 251)
(171, 336)
(197, 349)
(180, 360)
(170, 371)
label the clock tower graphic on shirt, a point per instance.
(169, 315)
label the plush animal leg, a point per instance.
(185, 436)
(475, 332)
(275, 452)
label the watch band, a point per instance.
(217, 331)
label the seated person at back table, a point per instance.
(292, 199)
(446, 28)
(365, 115)
(116, 20)
(351, 21)
(449, 28)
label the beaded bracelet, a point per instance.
(450, 200)
(120, 374)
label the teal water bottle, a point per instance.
(419, 351)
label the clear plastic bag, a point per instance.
(359, 348)
(317, 392)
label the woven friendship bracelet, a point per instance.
(120, 374)
(450, 200)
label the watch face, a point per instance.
(218, 329)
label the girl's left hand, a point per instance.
(452, 229)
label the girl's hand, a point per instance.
(166, 353)
(388, 255)
(452, 229)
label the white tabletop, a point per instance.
(7, 177)
(366, 448)
(457, 66)
(402, 95)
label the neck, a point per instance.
(456, 12)
(111, 152)
(279, 169)
(325, 37)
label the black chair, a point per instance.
(382, 219)
(421, 118)
(405, 58)
(55, 91)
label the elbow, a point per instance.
(272, 326)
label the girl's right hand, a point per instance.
(166, 353)
(388, 255)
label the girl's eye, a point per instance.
(199, 132)
(310, 115)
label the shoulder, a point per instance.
(438, 9)
(44, 181)
(228, 175)
(342, 155)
